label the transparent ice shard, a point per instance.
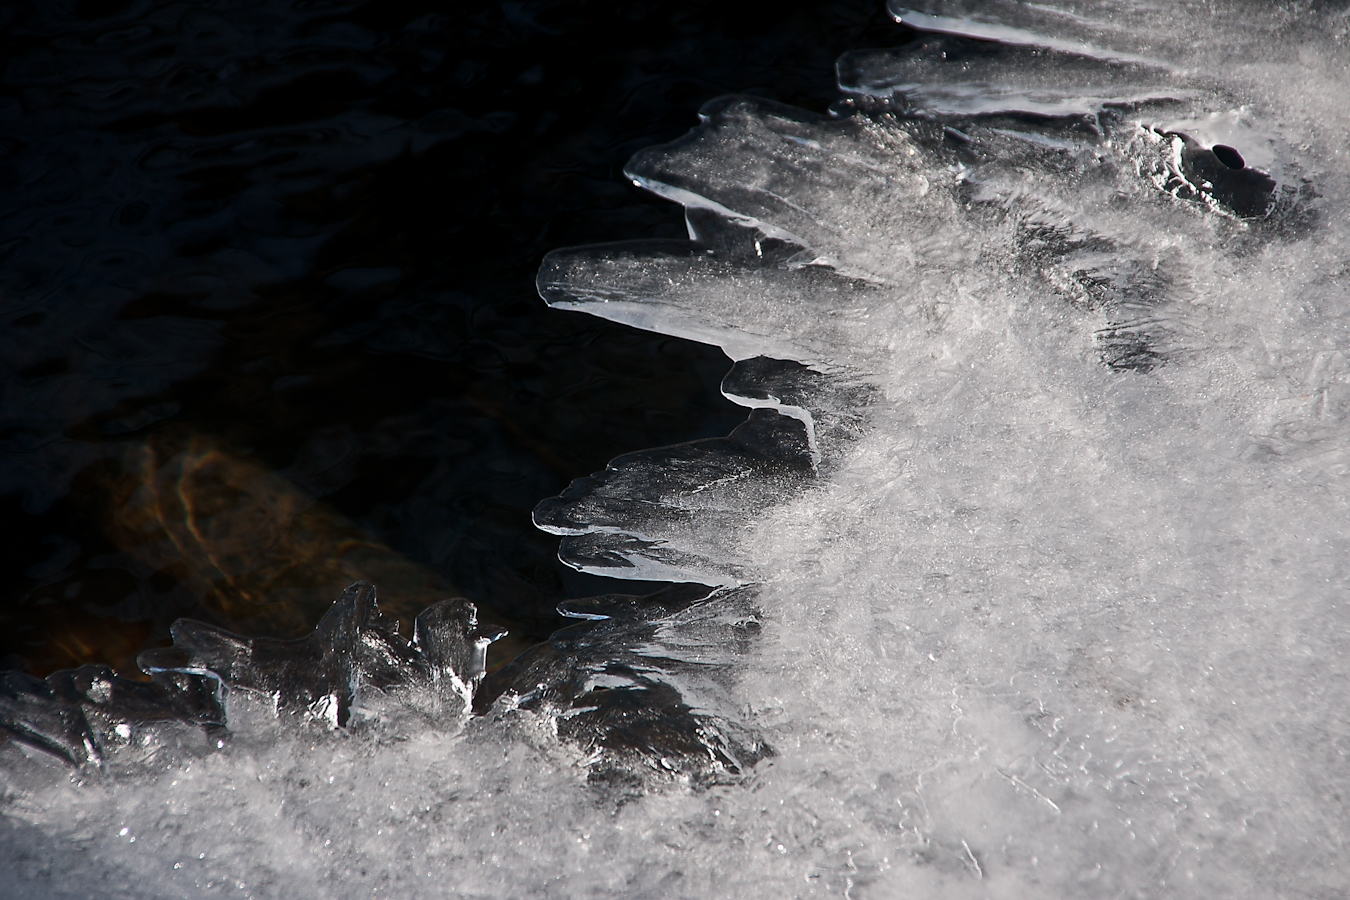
(673, 513)
(665, 515)
(865, 227)
(1130, 31)
(85, 715)
(958, 77)
(1069, 28)
(694, 293)
(355, 661)
(644, 686)
(832, 408)
(841, 189)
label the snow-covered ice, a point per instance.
(1028, 569)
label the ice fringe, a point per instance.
(1029, 560)
(953, 145)
(355, 661)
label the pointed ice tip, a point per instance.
(358, 599)
(585, 610)
(489, 634)
(164, 659)
(555, 514)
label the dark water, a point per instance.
(267, 295)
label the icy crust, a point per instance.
(660, 515)
(672, 514)
(955, 76)
(354, 663)
(874, 229)
(667, 287)
(1025, 578)
(1161, 34)
(831, 408)
(83, 716)
(799, 178)
(639, 685)
(869, 224)
(1065, 612)
(644, 687)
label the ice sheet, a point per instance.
(1026, 577)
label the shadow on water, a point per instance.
(267, 308)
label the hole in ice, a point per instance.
(1221, 172)
(1229, 156)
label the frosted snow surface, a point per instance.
(1030, 560)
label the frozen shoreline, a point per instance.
(1036, 567)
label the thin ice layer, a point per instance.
(831, 407)
(796, 177)
(1131, 31)
(668, 514)
(953, 76)
(891, 221)
(691, 293)
(87, 715)
(354, 661)
(672, 513)
(644, 686)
